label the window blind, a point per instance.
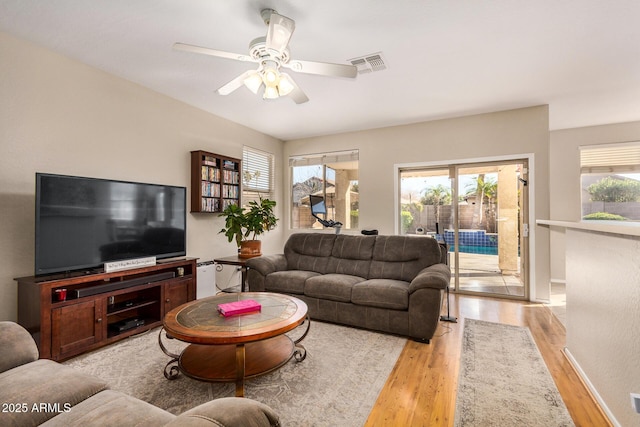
(257, 174)
(610, 158)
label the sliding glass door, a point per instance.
(480, 211)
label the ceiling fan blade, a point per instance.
(235, 83)
(322, 68)
(212, 52)
(298, 96)
(279, 33)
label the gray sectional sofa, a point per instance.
(43, 392)
(392, 284)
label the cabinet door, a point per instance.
(177, 293)
(76, 327)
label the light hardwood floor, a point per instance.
(421, 390)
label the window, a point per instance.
(333, 176)
(610, 181)
(257, 175)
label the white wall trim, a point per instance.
(591, 388)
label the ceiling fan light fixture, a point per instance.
(270, 92)
(286, 85)
(271, 76)
(253, 82)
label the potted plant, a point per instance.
(246, 225)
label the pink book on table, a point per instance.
(239, 307)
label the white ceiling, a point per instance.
(445, 58)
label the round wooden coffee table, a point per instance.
(232, 349)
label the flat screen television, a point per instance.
(81, 223)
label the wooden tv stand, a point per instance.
(101, 308)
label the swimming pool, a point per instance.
(475, 249)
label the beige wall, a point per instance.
(603, 297)
(509, 133)
(564, 173)
(60, 116)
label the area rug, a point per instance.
(336, 385)
(504, 380)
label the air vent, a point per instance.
(369, 63)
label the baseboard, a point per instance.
(585, 380)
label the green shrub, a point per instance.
(612, 189)
(407, 220)
(604, 216)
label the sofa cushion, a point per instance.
(335, 287)
(309, 251)
(351, 255)
(402, 257)
(383, 293)
(288, 282)
(16, 346)
(111, 408)
(45, 382)
(228, 412)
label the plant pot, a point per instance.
(250, 248)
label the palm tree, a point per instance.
(483, 188)
(436, 196)
(477, 212)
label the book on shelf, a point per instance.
(231, 177)
(214, 174)
(209, 173)
(239, 307)
(210, 189)
(229, 164)
(227, 202)
(230, 191)
(210, 161)
(210, 205)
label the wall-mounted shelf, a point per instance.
(216, 182)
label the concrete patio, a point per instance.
(480, 273)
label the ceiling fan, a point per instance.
(272, 53)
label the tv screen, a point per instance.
(81, 223)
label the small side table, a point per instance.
(238, 262)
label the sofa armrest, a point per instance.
(17, 346)
(228, 412)
(267, 264)
(260, 267)
(435, 276)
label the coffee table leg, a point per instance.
(171, 369)
(240, 370)
(300, 352)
